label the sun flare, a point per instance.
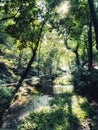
(63, 8)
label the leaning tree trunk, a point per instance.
(94, 19)
(24, 75)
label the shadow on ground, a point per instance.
(65, 111)
(59, 117)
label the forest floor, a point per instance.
(28, 100)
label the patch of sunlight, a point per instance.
(36, 104)
(63, 8)
(33, 91)
(63, 80)
(30, 90)
(23, 100)
(41, 102)
(8, 52)
(24, 96)
(57, 89)
(66, 108)
(6, 61)
(67, 104)
(76, 102)
(9, 22)
(35, 80)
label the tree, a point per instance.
(26, 27)
(51, 52)
(94, 19)
(72, 28)
(28, 19)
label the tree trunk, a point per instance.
(77, 58)
(39, 60)
(32, 58)
(75, 51)
(26, 70)
(94, 19)
(90, 56)
(77, 54)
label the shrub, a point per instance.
(5, 98)
(81, 80)
(52, 120)
(86, 83)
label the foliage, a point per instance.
(55, 119)
(71, 104)
(81, 80)
(62, 80)
(50, 54)
(68, 112)
(22, 25)
(94, 84)
(5, 98)
(85, 82)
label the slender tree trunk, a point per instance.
(39, 60)
(75, 51)
(26, 71)
(94, 19)
(77, 54)
(32, 58)
(77, 58)
(90, 56)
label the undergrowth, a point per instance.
(5, 99)
(67, 112)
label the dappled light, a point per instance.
(63, 8)
(48, 65)
(62, 106)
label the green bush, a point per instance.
(86, 83)
(5, 98)
(81, 80)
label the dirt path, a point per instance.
(17, 112)
(26, 103)
(22, 107)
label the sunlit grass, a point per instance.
(67, 111)
(62, 80)
(76, 107)
(51, 120)
(72, 104)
